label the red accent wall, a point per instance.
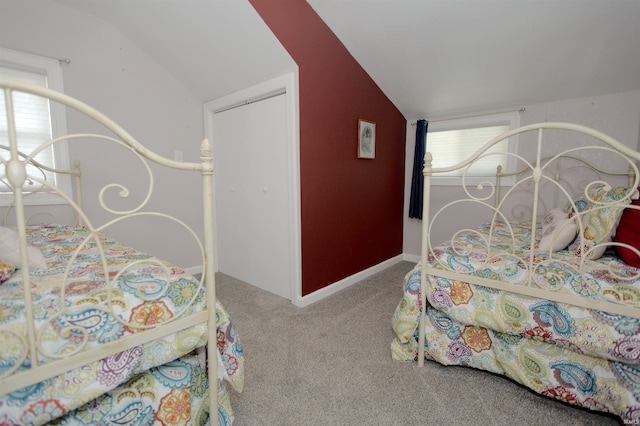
(352, 209)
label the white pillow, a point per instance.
(554, 216)
(10, 250)
(558, 230)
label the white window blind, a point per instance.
(32, 117)
(451, 142)
(37, 121)
(453, 146)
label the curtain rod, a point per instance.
(60, 60)
(522, 109)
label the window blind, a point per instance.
(449, 147)
(33, 122)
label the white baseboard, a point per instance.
(411, 257)
(337, 286)
(342, 284)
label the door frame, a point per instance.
(289, 84)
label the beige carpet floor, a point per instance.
(330, 364)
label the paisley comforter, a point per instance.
(581, 356)
(153, 382)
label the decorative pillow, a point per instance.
(580, 201)
(10, 250)
(558, 230)
(6, 270)
(599, 222)
(628, 232)
(554, 216)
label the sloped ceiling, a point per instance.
(439, 57)
(215, 47)
(431, 57)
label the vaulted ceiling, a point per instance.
(430, 57)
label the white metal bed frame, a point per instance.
(541, 170)
(14, 170)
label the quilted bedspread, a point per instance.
(581, 356)
(584, 330)
(142, 296)
(175, 393)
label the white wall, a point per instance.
(617, 115)
(113, 75)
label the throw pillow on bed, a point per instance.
(10, 250)
(628, 232)
(558, 230)
(579, 203)
(599, 221)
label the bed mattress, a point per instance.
(580, 329)
(142, 295)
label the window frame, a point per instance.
(512, 119)
(52, 69)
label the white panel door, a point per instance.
(252, 201)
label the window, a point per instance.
(37, 120)
(452, 141)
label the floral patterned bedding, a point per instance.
(583, 356)
(140, 297)
(175, 393)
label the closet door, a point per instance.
(252, 202)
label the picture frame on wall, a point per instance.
(366, 139)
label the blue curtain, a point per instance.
(417, 179)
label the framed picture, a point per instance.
(366, 139)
